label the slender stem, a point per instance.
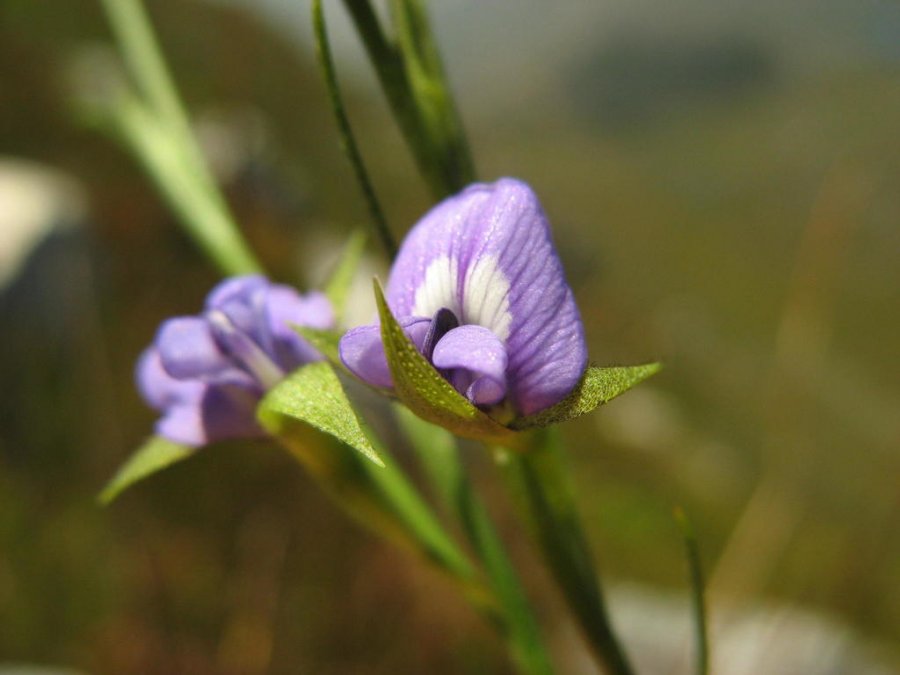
(162, 159)
(539, 481)
(698, 600)
(431, 93)
(382, 500)
(430, 125)
(144, 59)
(348, 141)
(178, 168)
(391, 75)
(438, 453)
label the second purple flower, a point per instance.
(206, 373)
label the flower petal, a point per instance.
(285, 308)
(362, 350)
(158, 388)
(220, 413)
(243, 301)
(188, 350)
(487, 254)
(478, 351)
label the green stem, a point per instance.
(437, 452)
(431, 93)
(348, 141)
(446, 166)
(539, 480)
(211, 224)
(162, 159)
(382, 500)
(698, 600)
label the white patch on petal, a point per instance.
(485, 293)
(438, 288)
(486, 297)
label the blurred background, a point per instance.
(722, 178)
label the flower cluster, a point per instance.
(477, 286)
(206, 373)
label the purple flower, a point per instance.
(480, 290)
(206, 373)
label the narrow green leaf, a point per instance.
(158, 132)
(338, 286)
(423, 390)
(391, 68)
(314, 395)
(348, 140)
(597, 386)
(698, 600)
(438, 116)
(154, 455)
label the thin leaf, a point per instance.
(154, 455)
(431, 95)
(162, 157)
(314, 395)
(338, 286)
(698, 600)
(422, 389)
(391, 69)
(597, 386)
(158, 132)
(348, 140)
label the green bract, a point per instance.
(154, 455)
(597, 386)
(314, 395)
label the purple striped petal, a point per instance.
(487, 255)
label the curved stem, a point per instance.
(539, 481)
(438, 453)
(348, 141)
(157, 129)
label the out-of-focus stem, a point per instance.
(161, 157)
(540, 484)
(439, 455)
(348, 141)
(382, 500)
(178, 167)
(436, 138)
(698, 596)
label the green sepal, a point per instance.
(597, 386)
(154, 455)
(313, 394)
(424, 391)
(337, 288)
